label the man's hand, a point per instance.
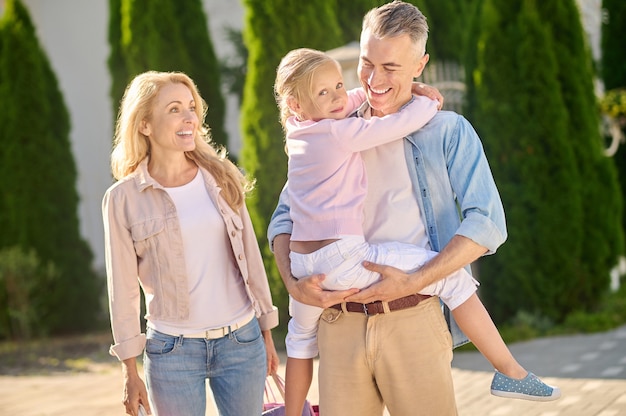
(308, 290)
(394, 284)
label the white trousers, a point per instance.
(341, 262)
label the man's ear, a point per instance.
(144, 128)
(421, 65)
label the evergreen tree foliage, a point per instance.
(117, 65)
(469, 60)
(614, 71)
(613, 50)
(204, 68)
(522, 119)
(603, 240)
(38, 203)
(310, 24)
(350, 16)
(165, 35)
(233, 68)
(449, 24)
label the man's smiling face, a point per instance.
(386, 70)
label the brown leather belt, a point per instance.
(374, 308)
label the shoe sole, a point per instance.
(522, 396)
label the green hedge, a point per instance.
(38, 199)
(539, 123)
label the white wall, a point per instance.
(223, 14)
(74, 35)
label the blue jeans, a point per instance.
(176, 370)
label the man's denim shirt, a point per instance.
(450, 173)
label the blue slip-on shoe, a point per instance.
(528, 388)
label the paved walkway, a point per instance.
(589, 369)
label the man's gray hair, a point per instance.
(395, 19)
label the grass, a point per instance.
(76, 353)
(526, 326)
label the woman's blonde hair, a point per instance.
(130, 147)
(294, 77)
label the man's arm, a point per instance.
(482, 230)
(395, 283)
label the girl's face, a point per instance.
(174, 123)
(328, 96)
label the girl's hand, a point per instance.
(419, 88)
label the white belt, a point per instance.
(218, 332)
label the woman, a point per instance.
(176, 224)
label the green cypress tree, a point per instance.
(449, 25)
(603, 240)
(470, 57)
(38, 207)
(116, 62)
(166, 35)
(294, 24)
(613, 51)
(614, 71)
(350, 17)
(204, 68)
(522, 119)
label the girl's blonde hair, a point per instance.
(294, 77)
(130, 147)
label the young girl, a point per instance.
(327, 187)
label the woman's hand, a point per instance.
(134, 389)
(272, 355)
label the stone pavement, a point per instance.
(589, 369)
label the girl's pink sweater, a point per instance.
(327, 178)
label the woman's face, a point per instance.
(328, 96)
(174, 123)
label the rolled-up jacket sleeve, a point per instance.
(280, 222)
(482, 212)
(122, 282)
(267, 313)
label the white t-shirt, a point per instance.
(216, 289)
(391, 210)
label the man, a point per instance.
(401, 357)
